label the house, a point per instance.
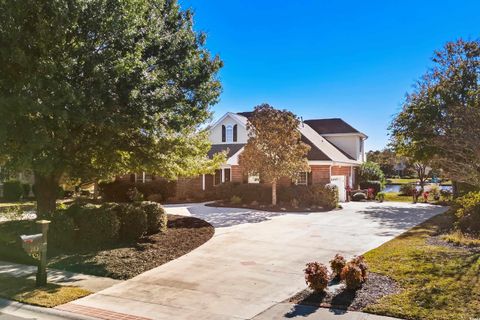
(337, 150)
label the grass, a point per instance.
(458, 238)
(401, 181)
(23, 290)
(438, 281)
(397, 197)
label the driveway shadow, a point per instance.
(227, 217)
(402, 218)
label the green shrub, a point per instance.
(235, 200)
(155, 198)
(26, 190)
(156, 217)
(61, 232)
(248, 192)
(133, 222)
(12, 190)
(97, 226)
(468, 213)
(337, 264)
(407, 189)
(381, 196)
(359, 196)
(120, 190)
(377, 186)
(370, 171)
(329, 199)
(316, 276)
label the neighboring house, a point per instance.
(337, 149)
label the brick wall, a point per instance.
(237, 174)
(320, 174)
(188, 186)
(342, 171)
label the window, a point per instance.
(253, 178)
(302, 178)
(218, 177)
(226, 174)
(229, 133)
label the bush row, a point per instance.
(14, 190)
(303, 196)
(96, 226)
(121, 191)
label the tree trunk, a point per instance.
(274, 193)
(46, 193)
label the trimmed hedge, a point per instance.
(305, 196)
(97, 225)
(119, 190)
(156, 217)
(12, 190)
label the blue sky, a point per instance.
(322, 59)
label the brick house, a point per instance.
(337, 149)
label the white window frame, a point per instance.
(302, 180)
(229, 133)
(253, 178)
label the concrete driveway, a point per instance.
(255, 262)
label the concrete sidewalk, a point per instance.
(60, 277)
(248, 268)
(295, 311)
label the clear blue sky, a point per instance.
(322, 59)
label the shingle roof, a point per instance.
(246, 114)
(231, 148)
(314, 153)
(331, 126)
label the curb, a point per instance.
(15, 308)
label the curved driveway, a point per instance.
(255, 259)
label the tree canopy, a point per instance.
(274, 148)
(439, 120)
(96, 88)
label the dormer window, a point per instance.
(229, 133)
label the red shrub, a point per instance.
(337, 264)
(316, 276)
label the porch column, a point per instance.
(203, 182)
(223, 175)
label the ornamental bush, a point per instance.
(96, 225)
(316, 276)
(329, 199)
(121, 190)
(407, 189)
(355, 273)
(61, 232)
(468, 213)
(133, 222)
(337, 264)
(156, 217)
(12, 190)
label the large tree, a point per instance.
(91, 88)
(440, 118)
(274, 149)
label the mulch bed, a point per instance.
(269, 208)
(337, 296)
(124, 262)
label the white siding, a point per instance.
(216, 132)
(352, 145)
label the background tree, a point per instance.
(96, 88)
(274, 149)
(386, 159)
(370, 171)
(439, 120)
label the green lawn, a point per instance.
(438, 281)
(23, 290)
(395, 196)
(401, 181)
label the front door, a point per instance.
(339, 181)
